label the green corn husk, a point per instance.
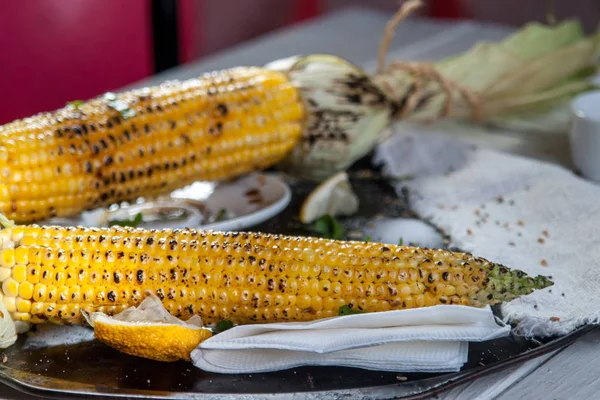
(530, 73)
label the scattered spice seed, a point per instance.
(506, 225)
(511, 203)
(544, 262)
(554, 319)
(477, 212)
(500, 199)
(545, 233)
(512, 244)
(401, 378)
(469, 232)
(520, 222)
(541, 240)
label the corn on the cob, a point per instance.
(52, 273)
(119, 147)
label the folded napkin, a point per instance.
(526, 214)
(432, 339)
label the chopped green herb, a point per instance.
(5, 222)
(222, 215)
(368, 239)
(128, 222)
(75, 104)
(401, 242)
(329, 227)
(223, 326)
(347, 310)
(119, 105)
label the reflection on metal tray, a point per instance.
(43, 364)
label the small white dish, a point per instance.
(585, 134)
(248, 201)
(226, 206)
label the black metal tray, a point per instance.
(91, 369)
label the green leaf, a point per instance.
(75, 104)
(329, 227)
(128, 222)
(222, 215)
(536, 39)
(368, 239)
(223, 326)
(347, 310)
(401, 242)
(5, 222)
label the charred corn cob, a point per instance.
(53, 273)
(320, 113)
(119, 147)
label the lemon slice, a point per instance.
(8, 331)
(334, 197)
(149, 331)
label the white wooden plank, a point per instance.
(571, 374)
(491, 386)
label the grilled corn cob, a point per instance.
(148, 141)
(53, 273)
(319, 113)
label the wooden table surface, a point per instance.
(354, 34)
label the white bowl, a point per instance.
(585, 134)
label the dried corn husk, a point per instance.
(523, 82)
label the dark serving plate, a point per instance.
(37, 364)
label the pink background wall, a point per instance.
(56, 51)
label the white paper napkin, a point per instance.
(432, 339)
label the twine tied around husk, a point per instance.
(414, 98)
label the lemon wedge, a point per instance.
(334, 197)
(149, 331)
(8, 331)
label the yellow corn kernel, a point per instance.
(22, 316)
(39, 292)
(10, 303)
(10, 287)
(26, 290)
(22, 255)
(23, 305)
(4, 274)
(7, 258)
(51, 293)
(37, 309)
(19, 273)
